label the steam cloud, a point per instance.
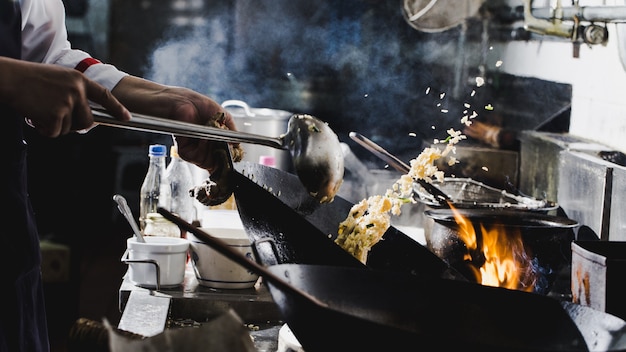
(353, 63)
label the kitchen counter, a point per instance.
(149, 312)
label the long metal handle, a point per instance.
(380, 152)
(185, 129)
(122, 205)
(399, 165)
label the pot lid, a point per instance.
(438, 15)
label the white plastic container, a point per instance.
(212, 269)
(169, 253)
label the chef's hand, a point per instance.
(150, 98)
(52, 98)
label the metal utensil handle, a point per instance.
(391, 159)
(122, 205)
(399, 165)
(185, 129)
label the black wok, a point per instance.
(342, 308)
(286, 225)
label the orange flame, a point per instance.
(497, 255)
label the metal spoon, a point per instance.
(399, 165)
(128, 214)
(314, 147)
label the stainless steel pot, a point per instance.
(263, 121)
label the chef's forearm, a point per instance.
(146, 97)
(142, 96)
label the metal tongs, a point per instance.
(148, 123)
(399, 165)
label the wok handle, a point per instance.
(224, 249)
(148, 123)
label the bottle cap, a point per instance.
(157, 150)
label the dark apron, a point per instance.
(22, 312)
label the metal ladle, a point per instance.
(122, 205)
(399, 165)
(314, 147)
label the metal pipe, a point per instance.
(584, 13)
(550, 27)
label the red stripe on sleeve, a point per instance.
(84, 64)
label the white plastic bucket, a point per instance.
(212, 269)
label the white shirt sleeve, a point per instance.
(44, 39)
